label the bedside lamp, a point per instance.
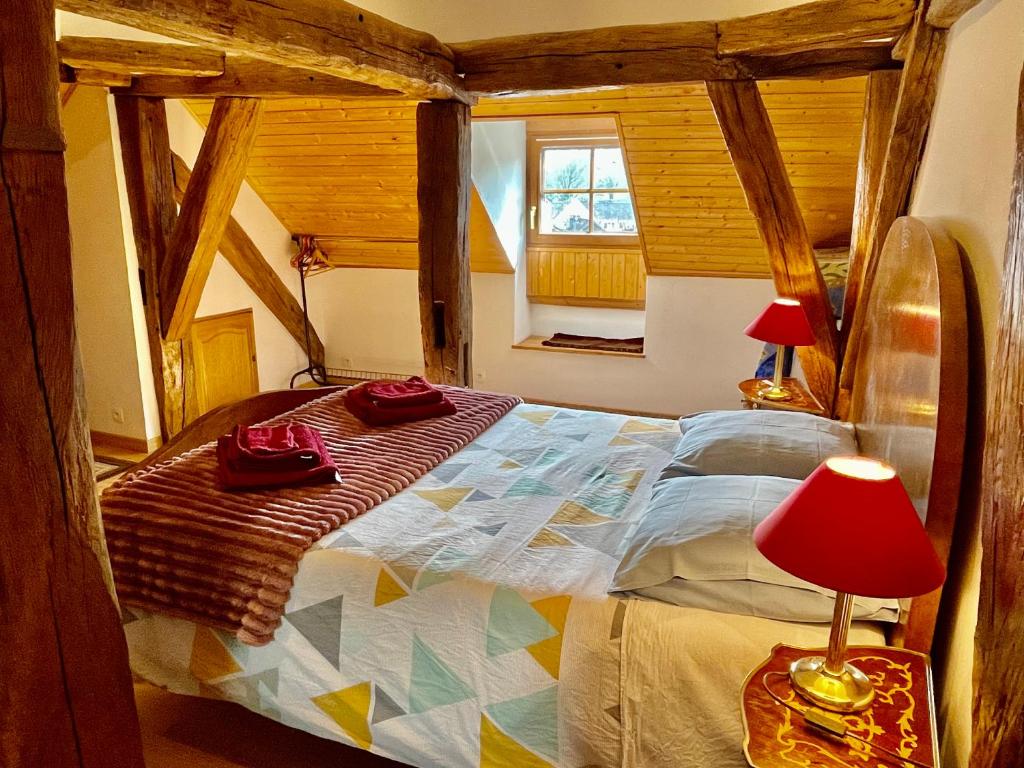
(850, 526)
(784, 323)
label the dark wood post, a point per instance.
(446, 306)
(66, 698)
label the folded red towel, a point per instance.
(264, 440)
(306, 453)
(400, 394)
(310, 462)
(360, 405)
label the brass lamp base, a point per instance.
(774, 393)
(848, 691)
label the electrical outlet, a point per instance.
(117, 414)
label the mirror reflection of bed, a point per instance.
(469, 614)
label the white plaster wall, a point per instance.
(105, 273)
(964, 181)
(546, 319)
(278, 356)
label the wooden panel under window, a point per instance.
(586, 277)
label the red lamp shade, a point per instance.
(782, 322)
(851, 527)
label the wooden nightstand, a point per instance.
(803, 401)
(901, 718)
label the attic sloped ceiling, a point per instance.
(345, 170)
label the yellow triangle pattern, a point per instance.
(445, 498)
(548, 538)
(632, 479)
(635, 425)
(350, 709)
(574, 513)
(388, 589)
(620, 440)
(540, 418)
(548, 653)
(499, 751)
(510, 465)
(210, 659)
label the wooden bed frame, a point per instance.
(909, 399)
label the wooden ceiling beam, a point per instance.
(330, 36)
(131, 57)
(944, 13)
(242, 254)
(762, 173)
(205, 210)
(245, 76)
(914, 103)
(829, 38)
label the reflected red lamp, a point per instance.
(850, 527)
(783, 323)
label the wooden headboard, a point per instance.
(909, 398)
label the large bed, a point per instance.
(466, 621)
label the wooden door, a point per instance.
(222, 351)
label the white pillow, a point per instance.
(694, 546)
(776, 443)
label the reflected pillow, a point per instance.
(694, 546)
(776, 443)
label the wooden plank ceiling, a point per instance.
(345, 170)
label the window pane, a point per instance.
(609, 169)
(565, 213)
(566, 168)
(613, 214)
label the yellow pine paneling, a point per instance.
(586, 277)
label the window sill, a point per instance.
(534, 343)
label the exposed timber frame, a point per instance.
(146, 155)
(333, 37)
(914, 103)
(830, 38)
(998, 739)
(184, 71)
(762, 172)
(443, 191)
(66, 697)
(242, 254)
(205, 210)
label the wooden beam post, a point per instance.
(205, 210)
(242, 254)
(446, 309)
(879, 105)
(755, 154)
(910, 121)
(146, 155)
(66, 696)
(329, 36)
(130, 57)
(998, 740)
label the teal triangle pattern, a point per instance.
(440, 568)
(549, 457)
(607, 501)
(528, 486)
(320, 624)
(513, 623)
(531, 720)
(491, 530)
(384, 707)
(433, 683)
